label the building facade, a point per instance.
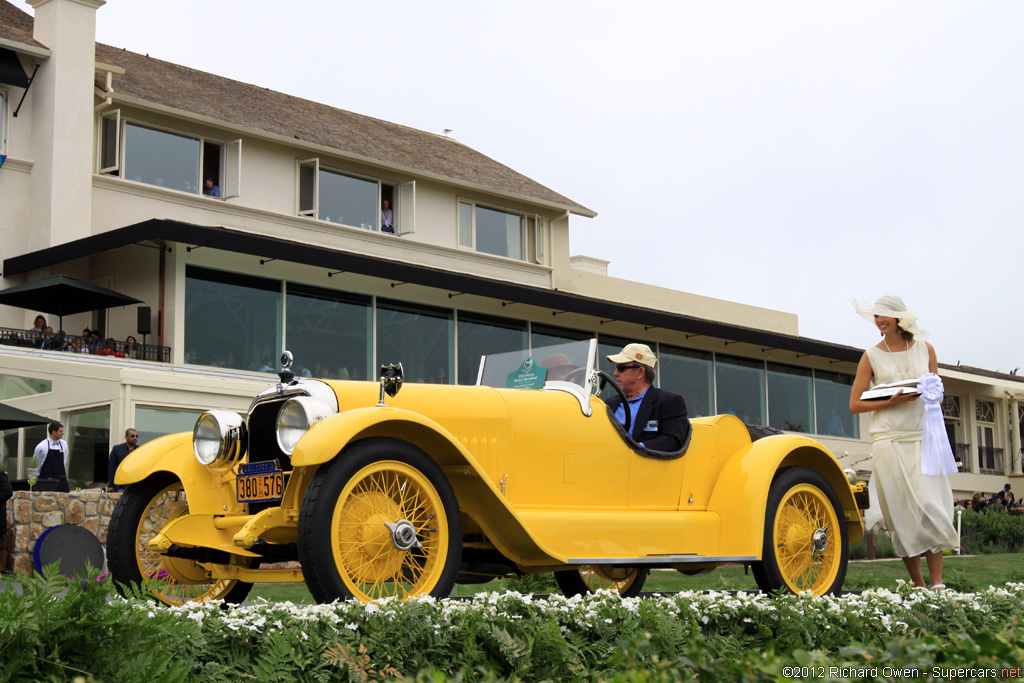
(248, 221)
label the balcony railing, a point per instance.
(990, 460)
(70, 343)
(962, 454)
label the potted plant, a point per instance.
(32, 470)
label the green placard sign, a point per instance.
(529, 375)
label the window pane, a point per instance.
(465, 224)
(12, 386)
(160, 158)
(499, 233)
(832, 403)
(418, 337)
(231, 320)
(152, 423)
(688, 373)
(88, 437)
(348, 200)
(108, 142)
(10, 453)
(480, 335)
(328, 332)
(740, 387)
(789, 398)
(542, 335)
(307, 183)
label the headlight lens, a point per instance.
(218, 438)
(296, 417)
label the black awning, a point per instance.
(337, 260)
(11, 71)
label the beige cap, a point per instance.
(635, 353)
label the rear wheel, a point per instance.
(142, 512)
(806, 543)
(626, 581)
(380, 521)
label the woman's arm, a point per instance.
(861, 384)
(933, 362)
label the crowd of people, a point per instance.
(1001, 501)
(42, 336)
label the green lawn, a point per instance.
(975, 572)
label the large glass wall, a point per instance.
(832, 404)
(328, 332)
(544, 335)
(420, 337)
(790, 398)
(152, 423)
(160, 158)
(740, 388)
(689, 374)
(231, 320)
(479, 335)
(88, 437)
(12, 386)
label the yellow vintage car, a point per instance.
(364, 491)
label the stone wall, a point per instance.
(29, 514)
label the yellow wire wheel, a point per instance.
(806, 542)
(141, 513)
(626, 581)
(381, 521)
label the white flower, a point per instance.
(930, 387)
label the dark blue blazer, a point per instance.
(661, 421)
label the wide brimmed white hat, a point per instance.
(891, 306)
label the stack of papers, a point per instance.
(881, 392)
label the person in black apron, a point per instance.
(53, 462)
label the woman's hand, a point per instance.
(899, 397)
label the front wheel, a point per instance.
(143, 510)
(626, 581)
(806, 542)
(380, 521)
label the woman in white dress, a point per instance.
(917, 508)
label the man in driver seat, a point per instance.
(659, 420)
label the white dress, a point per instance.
(918, 508)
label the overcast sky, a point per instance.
(789, 155)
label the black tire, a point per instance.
(345, 548)
(801, 498)
(760, 431)
(626, 581)
(142, 511)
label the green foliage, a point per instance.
(883, 547)
(992, 532)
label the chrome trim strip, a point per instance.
(664, 559)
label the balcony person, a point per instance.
(387, 218)
(917, 507)
(210, 189)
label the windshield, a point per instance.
(544, 366)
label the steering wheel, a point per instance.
(608, 379)
(577, 376)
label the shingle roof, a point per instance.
(241, 104)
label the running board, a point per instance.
(661, 559)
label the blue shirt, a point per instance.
(634, 407)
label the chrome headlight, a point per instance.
(851, 475)
(218, 438)
(297, 416)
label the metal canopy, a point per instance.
(11, 71)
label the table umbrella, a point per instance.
(62, 295)
(12, 418)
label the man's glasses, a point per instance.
(623, 368)
(133, 436)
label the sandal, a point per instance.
(939, 587)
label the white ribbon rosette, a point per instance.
(936, 454)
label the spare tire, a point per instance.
(761, 431)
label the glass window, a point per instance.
(418, 337)
(3, 120)
(739, 385)
(12, 386)
(492, 231)
(790, 404)
(231, 320)
(543, 335)
(688, 373)
(160, 158)
(832, 403)
(328, 332)
(480, 335)
(152, 423)
(347, 200)
(88, 437)
(9, 453)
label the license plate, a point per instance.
(261, 487)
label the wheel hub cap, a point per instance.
(403, 535)
(820, 540)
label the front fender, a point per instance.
(207, 492)
(740, 495)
